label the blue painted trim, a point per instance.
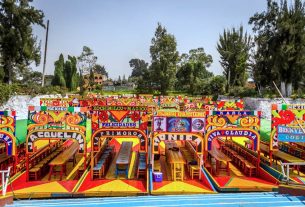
(151, 187)
(206, 176)
(274, 173)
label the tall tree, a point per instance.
(124, 81)
(138, 67)
(234, 48)
(86, 62)
(164, 58)
(280, 40)
(18, 45)
(70, 71)
(193, 69)
(59, 77)
(119, 80)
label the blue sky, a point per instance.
(119, 30)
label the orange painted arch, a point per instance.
(178, 136)
(111, 132)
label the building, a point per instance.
(99, 80)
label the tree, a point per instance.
(193, 69)
(70, 73)
(18, 46)
(216, 85)
(119, 80)
(138, 67)
(280, 43)
(164, 58)
(59, 77)
(234, 49)
(100, 69)
(86, 62)
(124, 81)
(29, 76)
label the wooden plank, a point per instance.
(175, 157)
(124, 154)
(63, 157)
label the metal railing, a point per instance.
(5, 175)
(287, 165)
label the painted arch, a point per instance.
(10, 142)
(170, 136)
(132, 133)
(232, 132)
(55, 134)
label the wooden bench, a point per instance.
(82, 169)
(34, 173)
(141, 164)
(38, 162)
(242, 158)
(101, 161)
(249, 168)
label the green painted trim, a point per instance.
(229, 181)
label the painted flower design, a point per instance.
(143, 126)
(103, 116)
(94, 126)
(56, 103)
(135, 116)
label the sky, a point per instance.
(119, 30)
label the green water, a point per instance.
(21, 126)
(265, 130)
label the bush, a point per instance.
(238, 91)
(6, 91)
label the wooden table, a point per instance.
(220, 157)
(63, 158)
(123, 159)
(177, 162)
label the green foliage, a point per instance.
(280, 43)
(234, 47)
(193, 70)
(2, 74)
(6, 90)
(216, 85)
(70, 71)
(100, 69)
(138, 67)
(140, 75)
(164, 58)
(18, 46)
(59, 77)
(65, 73)
(239, 91)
